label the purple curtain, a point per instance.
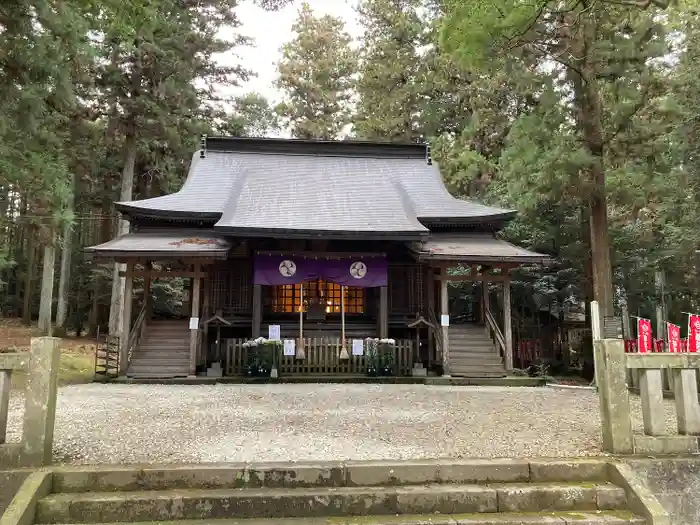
(363, 272)
(279, 269)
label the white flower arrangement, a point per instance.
(387, 341)
(255, 342)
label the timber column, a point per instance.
(507, 322)
(445, 311)
(194, 318)
(126, 320)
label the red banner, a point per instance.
(644, 339)
(674, 337)
(694, 333)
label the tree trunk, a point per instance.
(589, 123)
(64, 275)
(29, 277)
(115, 305)
(47, 280)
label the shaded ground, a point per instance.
(77, 354)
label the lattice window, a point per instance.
(405, 288)
(285, 298)
(230, 289)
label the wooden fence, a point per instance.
(322, 358)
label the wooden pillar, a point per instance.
(383, 312)
(126, 319)
(257, 309)
(203, 355)
(485, 302)
(507, 323)
(445, 310)
(430, 306)
(194, 315)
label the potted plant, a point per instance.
(372, 356)
(386, 356)
(261, 357)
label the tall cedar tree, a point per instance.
(316, 77)
(583, 40)
(390, 89)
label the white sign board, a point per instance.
(444, 320)
(194, 323)
(274, 332)
(290, 347)
(358, 347)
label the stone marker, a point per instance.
(40, 402)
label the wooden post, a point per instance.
(126, 320)
(430, 306)
(486, 302)
(445, 310)
(194, 315)
(257, 309)
(507, 325)
(383, 312)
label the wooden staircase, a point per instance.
(473, 353)
(163, 352)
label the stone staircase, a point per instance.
(473, 353)
(469, 492)
(163, 352)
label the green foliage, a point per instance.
(391, 75)
(316, 76)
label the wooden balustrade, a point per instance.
(322, 357)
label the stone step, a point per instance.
(499, 518)
(163, 505)
(104, 478)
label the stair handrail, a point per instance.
(437, 333)
(136, 333)
(494, 330)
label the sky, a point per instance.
(271, 30)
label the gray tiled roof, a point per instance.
(199, 244)
(474, 247)
(253, 192)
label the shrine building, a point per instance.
(325, 241)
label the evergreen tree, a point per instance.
(390, 84)
(316, 77)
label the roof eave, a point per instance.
(456, 221)
(326, 234)
(116, 254)
(544, 260)
(138, 212)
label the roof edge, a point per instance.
(345, 148)
(326, 234)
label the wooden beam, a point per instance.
(126, 320)
(155, 274)
(508, 327)
(471, 278)
(194, 314)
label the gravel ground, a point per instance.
(156, 423)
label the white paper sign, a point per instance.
(444, 320)
(274, 332)
(358, 347)
(290, 347)
(194, 323)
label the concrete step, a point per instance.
(499, 518)
(105, 478)
(469, 360)
(174, 504)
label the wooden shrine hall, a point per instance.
(325, 241)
